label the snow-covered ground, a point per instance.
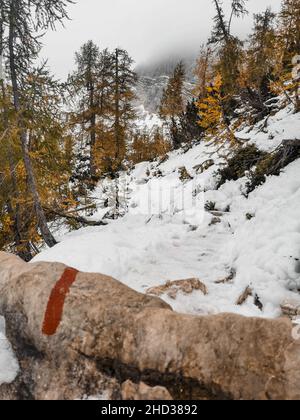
(8, 363)
(284, 125)
(146, 119)
(167, 235)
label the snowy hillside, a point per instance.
(150, 91)
(153, 79)
(167, 235)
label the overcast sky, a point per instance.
(146, 28)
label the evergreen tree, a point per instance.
(190, 123)
(259, 62)
(287, 51)
(212, 116)
(148, 146)
(122, 112)
(289, 32)
(41, 104)
(229, 46)
(172, 103)
(85, 81)
(104, 82)
(261, 51)
(23, 24)
(203, 71)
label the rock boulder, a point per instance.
(103, 333)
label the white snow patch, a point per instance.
(9, 367)
(268, 134)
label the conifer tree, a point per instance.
(105, 84)
(85, 79)
(148, 146)
(229, 46)
(172, 103)
(25, 21)
(41, 104)
(203, 71)
(23, 25)
(11, 211)
(122, 112)
(261, 51)
(91, 86)
(259, 62)
(289, 29)
(189, 121)
(212, 116)
(285, 81)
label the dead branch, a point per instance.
(78, 219)
(244, 296)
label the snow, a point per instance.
(8, 363)
(167, 235)
(147, 120)
(284, 125)
(103, 396)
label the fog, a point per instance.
(146, 28)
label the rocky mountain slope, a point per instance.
(154, 77)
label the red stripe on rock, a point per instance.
(56, 301)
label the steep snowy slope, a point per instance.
(167, 235)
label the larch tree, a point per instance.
(147, 146)
(86, 84)
(260, 60)
(212, 116)
(41, 105)
(25, 22)
(289, 29)
(122, 111)
(285, 81)
(104, 82)
(172, 103)
(203, 71)
(122, 115)
(229, 46)
(11, 210)
(47, 138)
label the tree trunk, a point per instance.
(22, 248)
(117, 135)
(117, 111)
(92, 132)
(222, 23)
(297, 97)
(23, 251)
(41, 219)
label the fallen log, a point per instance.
(172, 288)
(78, 334)
(78, 219)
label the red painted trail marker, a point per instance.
(55, 306)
